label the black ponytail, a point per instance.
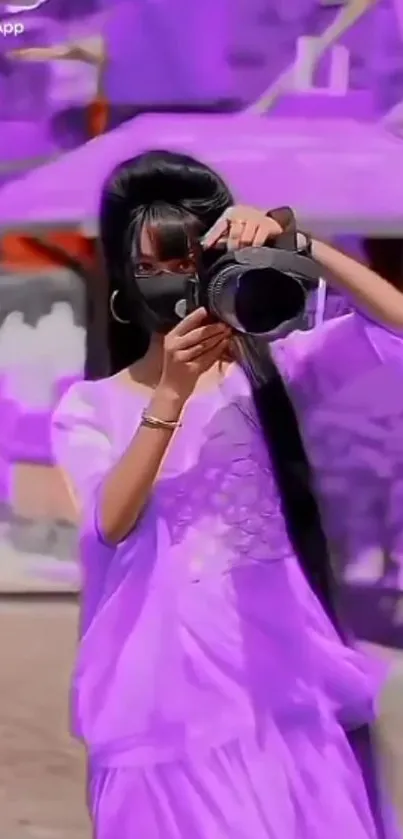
(292, 471)
(294, 479)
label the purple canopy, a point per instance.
(341, 176)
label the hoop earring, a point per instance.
(112, 309)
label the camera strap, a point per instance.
(285, 254)
(288, 241)
(284, 216)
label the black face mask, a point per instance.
(164, 296)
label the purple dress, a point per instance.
(210, 689)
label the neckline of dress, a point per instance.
(143, 394)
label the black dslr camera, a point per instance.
(256, 291)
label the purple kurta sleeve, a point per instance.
(82, 450)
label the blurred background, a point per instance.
(297, 102)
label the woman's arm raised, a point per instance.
(189, 350)
(241, 226)
(124, 488)
(370, 292)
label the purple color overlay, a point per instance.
(170, 52)
(341, 176)
(173, 52)
(268, 162)
(239, 677)
(24, 437)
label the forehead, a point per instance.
(146, 245)
(174, 246)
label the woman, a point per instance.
(210, 687)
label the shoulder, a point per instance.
(300, 349)
(93, 398)
(83, 400)
(320, 362)
(81, 429)
(93, 404)
(308, 342)
(105, 411)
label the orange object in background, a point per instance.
(21, 252)
(98, 117)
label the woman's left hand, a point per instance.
(242, 227)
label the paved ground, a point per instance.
(41, 769)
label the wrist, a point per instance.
(320, 251)
(167, 403)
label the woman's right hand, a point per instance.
(190, 349)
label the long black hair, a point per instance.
(176, 194)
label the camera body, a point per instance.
(257, 291)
